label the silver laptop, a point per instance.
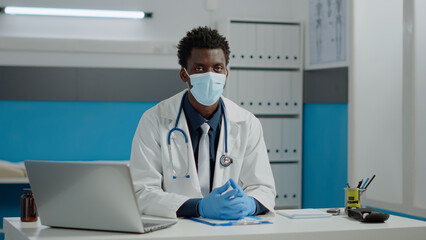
(87, 195)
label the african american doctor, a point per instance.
(198, 153)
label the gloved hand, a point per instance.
(234, 204)
(248, 204)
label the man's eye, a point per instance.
(199, 69)
(218, 68)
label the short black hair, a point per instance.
(201, 37)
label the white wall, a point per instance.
(376, 97)
(420, 100)
(386, 103)
(171, 20)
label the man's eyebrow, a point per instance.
(204, 64)
(197, 63)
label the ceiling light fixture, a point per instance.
(68, 12)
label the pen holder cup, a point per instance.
(354, 198)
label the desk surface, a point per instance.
(336, 227)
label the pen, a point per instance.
(359, 183)
(363, 185)
(370, 181)
(347, 184)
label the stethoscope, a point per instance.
(225, 160)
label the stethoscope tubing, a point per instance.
(225, 155)
(183, 132)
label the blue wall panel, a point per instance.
(50, 130)
(325, 141)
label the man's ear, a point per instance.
(226, 82)
(183, 75)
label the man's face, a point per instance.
(204, 60)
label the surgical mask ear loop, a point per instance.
(187, 74)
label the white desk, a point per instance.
(336, 227)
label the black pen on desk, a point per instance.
(370, 181)
(359, 183)
(347, 184)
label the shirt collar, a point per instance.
(195, 120)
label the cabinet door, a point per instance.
(287, 184)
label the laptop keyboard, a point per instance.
(149, 227)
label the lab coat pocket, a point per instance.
(179, 185)
(179, 157)
(178, 174)
(223, 174)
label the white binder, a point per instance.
(296, 95)
(232, 86)
(267, 135)
(276, 123)
(269, 45)
(256, 90)
(244, 89)
(294, 51)
(275, 89)
(286, 92)
(237, 43)
(287, 138)
(251, 48)
(293, 142)
(260, 44)
(279, 46)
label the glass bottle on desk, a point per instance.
(28, 207)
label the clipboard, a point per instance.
(250, 220)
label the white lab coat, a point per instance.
(159, 194)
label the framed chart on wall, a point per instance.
(328, 35)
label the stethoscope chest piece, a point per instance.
(225, 161)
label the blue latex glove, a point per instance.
(234, 204)
(248, 204)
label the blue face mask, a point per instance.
(207, 87)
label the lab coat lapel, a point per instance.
(221, 173)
